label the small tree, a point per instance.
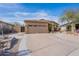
(69, 16)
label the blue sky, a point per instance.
(19, 12)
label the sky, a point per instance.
(18, 12)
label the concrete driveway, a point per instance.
(48, 44)
(56, 44)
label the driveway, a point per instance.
(48, 44)
(56, 44)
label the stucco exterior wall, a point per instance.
(17, 28)
(36, 27)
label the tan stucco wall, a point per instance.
(17, 28)
(73, 28)
(37, 27)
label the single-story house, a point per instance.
(10, 28)
(19, 28)
(6, 27)
(38, 26)
(73, 26)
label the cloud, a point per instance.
(10, 8)
(8, 5)
(36, 15)
(16, 13)
(21, 16)
(11, 5)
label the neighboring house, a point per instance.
(19, 28)
(38, 26)
(10, 28)
(6, 27)
(72, 27)
(63, 27)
